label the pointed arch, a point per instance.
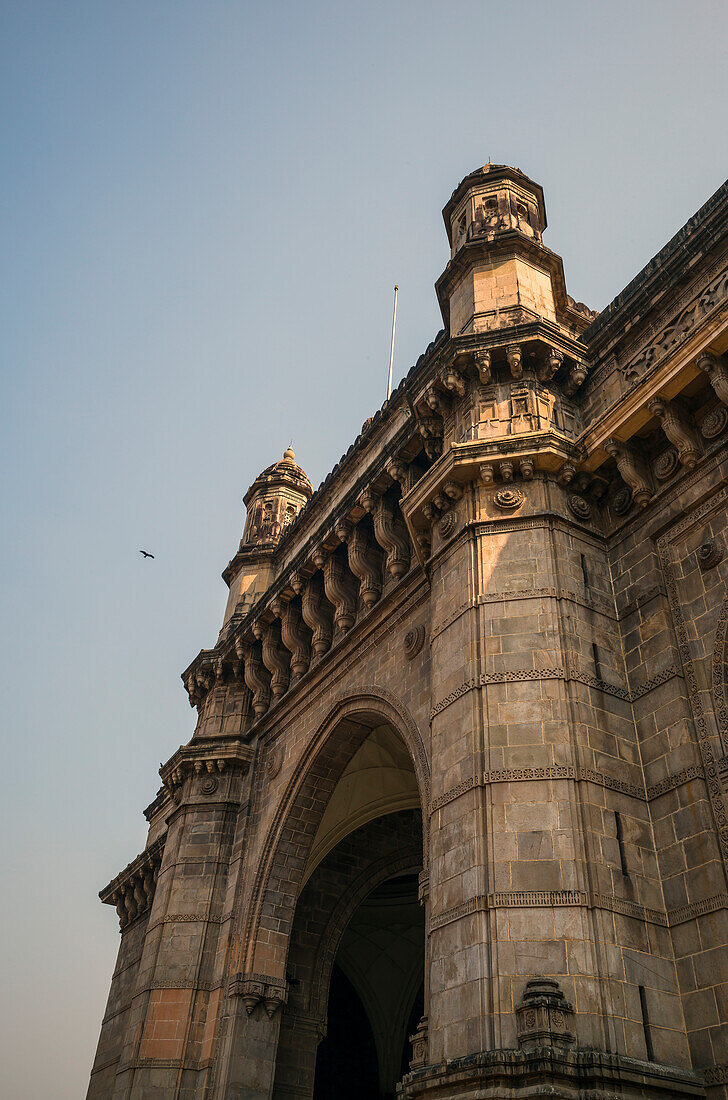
(273, 899)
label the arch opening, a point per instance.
(356, 949)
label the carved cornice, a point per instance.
(201, 758)
(132, 891)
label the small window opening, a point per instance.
(584, 572)
(597, 663)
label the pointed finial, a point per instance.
(289, 452)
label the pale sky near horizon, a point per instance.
(204, 208)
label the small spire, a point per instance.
(289, 452)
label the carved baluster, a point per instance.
(716, 370)
(340, 587)
(550, 364)
(274, 655)
(631, 470)
(256, 678)
(316, 611)
(515, 360)
(677, 429)
(483, 366)
(365, 564)
(295, 637)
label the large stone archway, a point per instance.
(297, 819)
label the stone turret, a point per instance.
(500, 274)
(272, 503)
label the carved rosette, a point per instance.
(710, 553)
(714, 423)
(666, 464)
(414, 639)
(317, 614)
(674, 424)
(295, 638)
(341, 590)
(365, 565)
(257, 678)
(578, 506)
(631, 470)
(544, 1018)
(508, 500)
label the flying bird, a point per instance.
(146, 554)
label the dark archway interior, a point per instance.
(375, 996)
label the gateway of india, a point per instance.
(453, 822)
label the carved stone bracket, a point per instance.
(576, 378)
(295, 637)
(341, 590)
(678, 430)
(550, 364)
(317, 614)
(390, 532)
(515, 360)
(132, 891)
(544, 1018)
(257, 989)
(716, 370)
(257, 678)
(365, 564)
(275, 656)
(483, 365)
(631, 470)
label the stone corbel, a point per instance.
(715, 368)
(487, 473)
(526, 468)
(483, 365)
(365, 564)
(391, 534)
(676, 427)
(274, 655)
(294, 636)
(631, 469)
(514, 356)
(506, 470)
(316, 611)
(550, 364)
(132, 892)
(340, 588)
(577, 377)
(435, 402)
(453, 382)
(256, 678)
(403, 473)
(255, 989)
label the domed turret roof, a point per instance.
(284, 472)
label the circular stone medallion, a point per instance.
(622, 501)
(273, 762)
(508, 499)
(447, 524)
(714, 423)
(666, 464)
(413, 641)
(578, 506)
(209, 785)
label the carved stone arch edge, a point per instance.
(720, 675)
(346, 705)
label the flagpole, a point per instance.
(391, 350)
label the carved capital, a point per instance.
(675, 425)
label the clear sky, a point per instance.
(204, 209)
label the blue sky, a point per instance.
(203, 210)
